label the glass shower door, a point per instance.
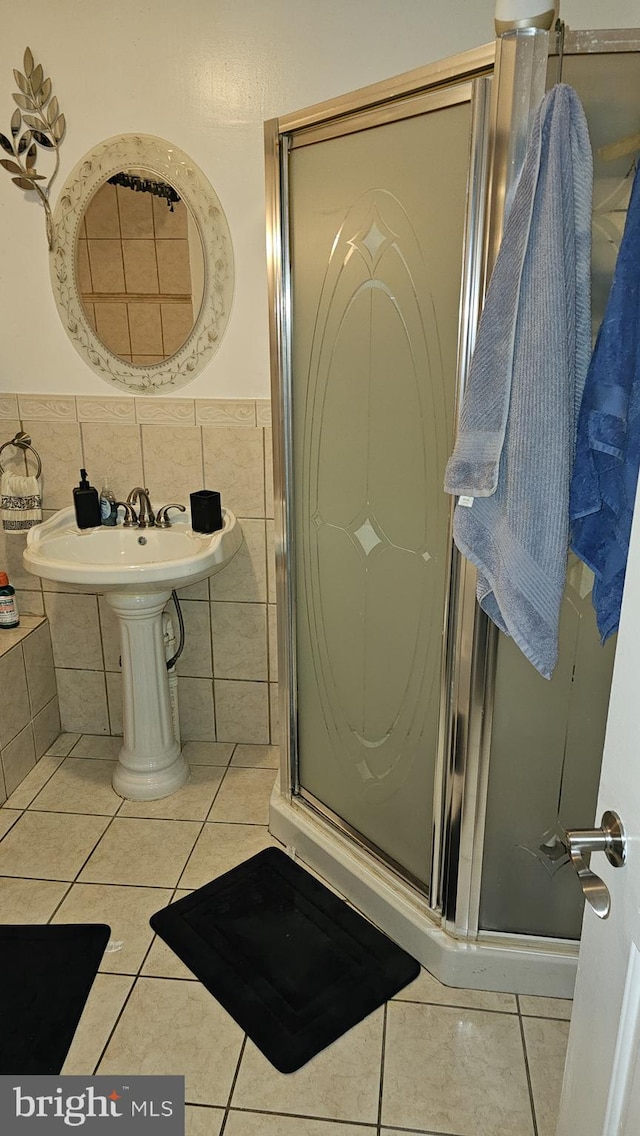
(377, 222)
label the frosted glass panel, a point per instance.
(377, 222)
(546, 753)
(548, 737)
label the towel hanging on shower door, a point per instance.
(514, 450)
(605, 473)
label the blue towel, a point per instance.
(515, 444)
(605, 473)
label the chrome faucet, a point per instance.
(146, 515)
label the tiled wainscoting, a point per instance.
(29, 717)
(227, 673)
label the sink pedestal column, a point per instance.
(150, 764)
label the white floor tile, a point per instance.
(200, 1121)
(147, 853)
(256, 756)
(207, 753)
(101, 1012)
(546, 1043)
(22, 797)
(126, 910)
(455, 1071)
(534, 1006)
(8, 818)
(261, 1124)
(97, 745)
(79, 786)
(341, 1083)
(192, 802)
(63, 745)
(426, 988)
(220, 847)
(50, 846)
(162, 962)
(171, 1027)
(29, 901)
(244, 796)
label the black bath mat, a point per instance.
(291, 962)
(46, 974)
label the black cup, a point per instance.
(206, 511)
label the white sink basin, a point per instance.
(131, 560)
(137, 569)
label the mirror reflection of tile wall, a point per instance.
(135, 273)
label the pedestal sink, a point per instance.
(136, 569)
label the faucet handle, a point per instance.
(162, 520)
(130, 517)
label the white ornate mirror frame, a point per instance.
(143, 151)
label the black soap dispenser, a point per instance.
(86, 503)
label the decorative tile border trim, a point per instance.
(106, 409)
(263, 411)
(9, 406)
(166, 411)
(160, 411)
(225, 412)
(58, 407)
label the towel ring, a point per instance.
(23, 442)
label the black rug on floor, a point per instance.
(46, 974)
(290, 961)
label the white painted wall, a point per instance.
(203, 74)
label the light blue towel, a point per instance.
(605, 472)
(514, 451)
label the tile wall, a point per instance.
(29, 716)
(227, 673)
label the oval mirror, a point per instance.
(142, 264)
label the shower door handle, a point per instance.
(610, 839)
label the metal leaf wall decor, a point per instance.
(37, 124)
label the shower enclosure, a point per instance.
(427, 769)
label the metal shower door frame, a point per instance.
(425, 89)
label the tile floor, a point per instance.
(433, 1060)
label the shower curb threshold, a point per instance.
(518, 966)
